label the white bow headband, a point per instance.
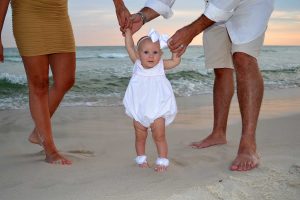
(155, 36)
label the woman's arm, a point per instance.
(129, 44)
(123, 14)
(173, 62)
(3, 11)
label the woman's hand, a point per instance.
(123, 16)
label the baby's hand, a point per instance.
(128, 31)
(175, 56)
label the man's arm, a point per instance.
(161, 7)
(221, 10)
(151, 10)
(143, 16)
(184, 36)
(216, 11)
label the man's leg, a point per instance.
(217, 51)
(250, 93)
(250, 88)
(222, 95)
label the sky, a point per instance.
(95, 24)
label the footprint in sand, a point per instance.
(77, 154)
(295, 170)
(178, 162)
(81, 154)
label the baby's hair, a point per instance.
(141, 39)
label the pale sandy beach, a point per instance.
(100, 142)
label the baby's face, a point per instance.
(149, 53)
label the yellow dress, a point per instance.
(42, 27)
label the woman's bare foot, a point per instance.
(34, 138)
(56, 158)
(52, 155)
(211, 140)
(247, 158)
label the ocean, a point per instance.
(103, 72)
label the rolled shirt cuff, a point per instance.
(161, 8)
(216, 14)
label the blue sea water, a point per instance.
(102, 75)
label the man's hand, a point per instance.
(180, 40)
(137, 23)
(184, 36)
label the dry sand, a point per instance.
(100, 142)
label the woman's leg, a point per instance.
(37, 69)
(159, 137)
(63, 71)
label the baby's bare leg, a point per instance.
(159, 137)
(140, 140)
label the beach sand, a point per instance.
(100, 142)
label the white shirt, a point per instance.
(245, 20)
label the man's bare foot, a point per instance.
(56, 158)
(245, 162)
(34, 138)
(247, 158)
(211, 140)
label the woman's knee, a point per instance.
(65, 84)
(38, 85)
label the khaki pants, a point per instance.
(218, 48)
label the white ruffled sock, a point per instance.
(162, 162)
(141, 159)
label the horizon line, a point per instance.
(273, 45)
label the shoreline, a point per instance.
(100, 142)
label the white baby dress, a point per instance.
(149, 95)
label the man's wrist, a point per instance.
(143, 17)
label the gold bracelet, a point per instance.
(143, 17)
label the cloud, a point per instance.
(291, 16)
